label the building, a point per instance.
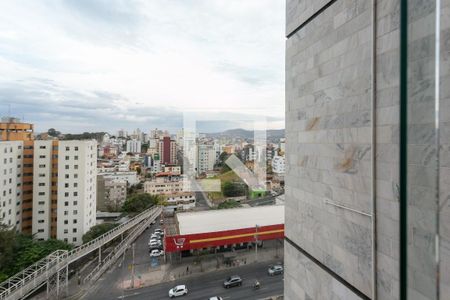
(175, 170)
(64, 189)
(168, 151)
(278, 166)
(212, 230)
(133, 146)
(11, 129)
(11, 174)
(206, 158)
(180, 201)
(111, 194)
(164, 185)
(130, 177)
(367, 122)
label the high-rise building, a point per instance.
(367, 131)
(111, 194)
(64, 189)
(11, 165)
(134, 146)
(168, 151)
(206, 158)
(278, 164)
(11, 129)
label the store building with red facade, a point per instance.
(217, 230)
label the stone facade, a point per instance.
(329, 149)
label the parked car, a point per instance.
(155, 247)
(232, 281)
(179, 290)
(155, 236)
(159, 231)
(153, 222)
(216, 298)
(156, 253)
(275, 270)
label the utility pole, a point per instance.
(132, 269)
(256, 242)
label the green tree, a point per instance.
(97, 231)
(228, 204)
(233, 189)
(139, 202)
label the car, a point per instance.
(179, 290)
(275, 270)
(216, 298)
(156, 253)
(159, 230)
(232, 281)
(154, 243)
(155, 236)
(153, 222)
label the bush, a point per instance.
(228, 204)
(233, 189)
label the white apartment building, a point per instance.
(11, 158)
(130, 177)
(64, 189)
(206, 158)
(134, 146)
(278, 164)
(181, 201)
(77, 189)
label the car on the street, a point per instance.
(156, 253)
(232, 281)
(216, 298)
(275, 270)
(179, 290)
(155, 236)
(154, 243)
(151, 248)
(159, 231)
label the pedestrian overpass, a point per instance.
(52, 271)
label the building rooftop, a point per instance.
(229, 219)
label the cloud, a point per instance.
(104, 65)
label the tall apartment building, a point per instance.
(168, 151)
(64, 189)
(134, 146)
(206, 158)
(11, 165)
(111, 194)
(11, 129)
(367, 210)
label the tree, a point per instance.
(53, 132)
(233, 189)
(228, 204)
(97, 231)
(139, 202)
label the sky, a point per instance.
(85, 65)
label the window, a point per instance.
(75, 212)
(40, 221)
(66, 203)
(75, 175)
(67, 148)
(75, 202)
(66, 185)
(66, 176)
(75, 221)
(66, 194)
(41, 156)
(66, 222)
(67, 157)
(41, 183)
(75, 184)
(76, 167)
(74, 230)
(41, 202)
(67, 167)
(74, 239)
(75, 194)
(76, 157)
(66, 240)
(41, 193)
(42, 166)
(76, 148)
(42, 147)
(41, 175)
(41, 212)
(40, 230)
(66, 212)
(66, 230)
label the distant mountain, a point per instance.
(273, 135)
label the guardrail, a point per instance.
(33, 277)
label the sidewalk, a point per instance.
(167, 272)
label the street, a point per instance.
(208, 285)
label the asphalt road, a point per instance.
(209, 285)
